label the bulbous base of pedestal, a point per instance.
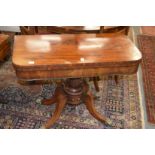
(74, 90)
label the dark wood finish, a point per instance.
(73, 29)
(89, 101)
(114, 30)
(4, 46)
(73, 91)
(73, 87)
(88, 29)
(73, 56)
(83, 55)
(29, 30)
(121, 30)
(60, 99)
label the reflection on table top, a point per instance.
(71, 49)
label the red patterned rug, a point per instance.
(147, 47)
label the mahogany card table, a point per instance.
(73, 57)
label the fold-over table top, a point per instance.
(73, 55)
(72, 50)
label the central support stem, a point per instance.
(74, 89)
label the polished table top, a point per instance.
(74, 51)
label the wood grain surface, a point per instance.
(74, 55)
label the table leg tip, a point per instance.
(109, 122)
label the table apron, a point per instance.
(70, 73)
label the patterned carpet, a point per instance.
(20, 105)
(147, 47)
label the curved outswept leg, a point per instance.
(49, 101)
(89, 101)
(53, 99)
(61, 100)
(75, 89)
